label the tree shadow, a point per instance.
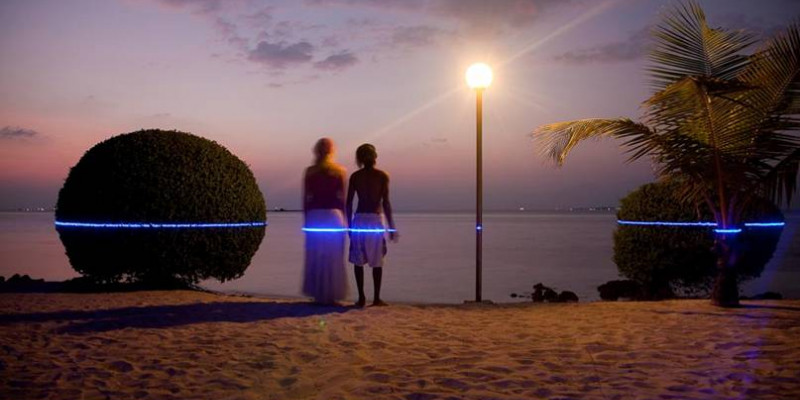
(168, 316)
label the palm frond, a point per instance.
(686, 46)
(706, 110)
(559, 138)
(775, 74)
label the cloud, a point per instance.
(756, 25)
(491, 15)
(636, 45)
(15, 132)
(384, 4)
(260, 18)
(228, 31)
(632, 48)
(337, 62)
(415, 36)
(281, 55)
(476, 16)
(198, 6)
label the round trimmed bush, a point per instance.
(155, 176)
(665, 260)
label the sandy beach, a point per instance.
(194, 345)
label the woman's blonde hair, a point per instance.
(323, 150)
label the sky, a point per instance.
(266, 79)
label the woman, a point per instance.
(367, 242)
(323, 208)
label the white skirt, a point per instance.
(325, 277)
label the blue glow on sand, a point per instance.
(357, 230)
(157, 225)
(704, 224)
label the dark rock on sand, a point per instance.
(543, 293)
(567, 297)
(615, 290)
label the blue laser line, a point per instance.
(704, 224)
(157, 225)
(764, 224)
(358, 230)
(661, 223)
(735, 230)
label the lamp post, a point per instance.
(479, 76)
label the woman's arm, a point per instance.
(306, 195)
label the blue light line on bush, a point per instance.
(764, 224)
(357, 230)
(661, 223)
(734, 230)
(704, 224)
(157, 225)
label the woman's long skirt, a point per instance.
(325, 277)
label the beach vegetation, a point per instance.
(665, 261)
(164, 177)
(722, 120)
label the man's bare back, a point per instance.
(372, 187)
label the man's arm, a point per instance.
(387, 209)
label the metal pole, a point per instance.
(479, 198)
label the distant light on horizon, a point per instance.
(479, 76)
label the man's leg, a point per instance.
(362, 300)
(377, 275)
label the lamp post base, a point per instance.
(478, 302)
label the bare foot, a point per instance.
(379, 303)
(361, 303)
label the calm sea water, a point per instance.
(434, 261)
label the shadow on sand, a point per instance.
(737, 312)
(154, 317)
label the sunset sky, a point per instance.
(266, 79)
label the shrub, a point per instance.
(665, 259)
(162, 177)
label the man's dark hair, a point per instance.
(366, 155)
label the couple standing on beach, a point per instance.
(328, 217)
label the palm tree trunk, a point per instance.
(726, 288)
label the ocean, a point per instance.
(433, 261)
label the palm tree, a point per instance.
(720, 122)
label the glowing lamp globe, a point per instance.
(479, 76)
(161, 207)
